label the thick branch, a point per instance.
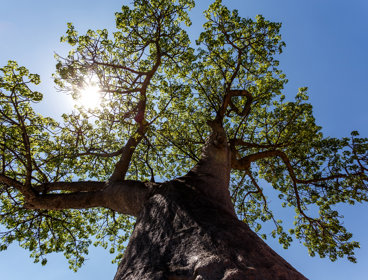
(125, 197)
(121, 167)
(77, 200)
(86, 186)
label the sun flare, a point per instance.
(89, 97)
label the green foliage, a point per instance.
(27, 135)
(183, 88)
(24, 134)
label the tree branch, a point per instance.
(11, 182)
(227, 102)
(125, 197)
(122, 165)
(244, 164)
(85, 186)
(239, 142)
(26, 190)
(116, 66)
(77, 200)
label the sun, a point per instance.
(89, 97)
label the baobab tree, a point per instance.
(180, 140)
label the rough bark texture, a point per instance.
(181, 235)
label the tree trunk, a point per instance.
(180, 234)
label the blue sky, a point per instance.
(326, 50)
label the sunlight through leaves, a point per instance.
(89, 96)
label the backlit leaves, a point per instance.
(149, 62)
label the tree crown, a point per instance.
(160, 98)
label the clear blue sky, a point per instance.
(326, 50)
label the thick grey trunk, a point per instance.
(182, 235)
(211, 175)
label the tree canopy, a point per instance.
(161, 95)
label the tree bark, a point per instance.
(180, 234)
